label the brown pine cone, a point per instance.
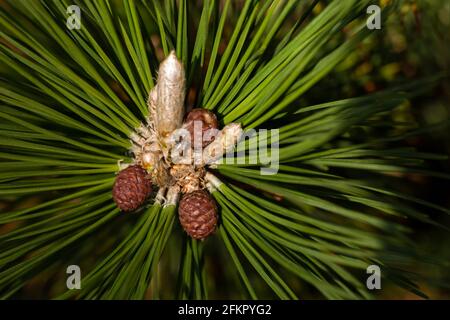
(131, 188)
(208, 120)
(198, 214)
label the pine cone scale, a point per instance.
(198, 214)
(208, 121)
(131, 188)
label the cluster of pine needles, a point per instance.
(71, 98)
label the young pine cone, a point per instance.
(131, 188)
(198, 214)
(206, 119)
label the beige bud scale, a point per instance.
(156, 149)
(225, 141)
(170, 97)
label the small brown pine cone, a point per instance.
(208, 121)
(198, 214)
(131, 188)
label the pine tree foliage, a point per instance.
(71, 98)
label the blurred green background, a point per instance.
(414, 43)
